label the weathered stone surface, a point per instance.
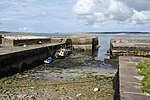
(0, 39)
(16, 57)
(7, 42)
(83, 47)
(31, 41)
(81, 40)
(72, 78)
(78, 42)
(56, 40)
(22, 56)
(127, 47)
(129, 81)
(84, 43)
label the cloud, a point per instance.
(89, 12)
(43, 13)
(84, 7)
(25, 29)
(100, 17)
(141, 17)
(118, 11)
(86, 12)
(139, 5)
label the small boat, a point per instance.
(61, 53)
(48, 60)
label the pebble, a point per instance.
(78, 95)
(35, 93)
(96, 89)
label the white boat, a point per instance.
(62, 53)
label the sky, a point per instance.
(75, 15)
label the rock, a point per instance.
(146, 93)
(96, 89)
(21, 96)
(32, 97)
(99, 77)
(78, 95)
(56, 90)
(62, 88)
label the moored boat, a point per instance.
(61, 53)
(48, 60)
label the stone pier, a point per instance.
(129, 47)
(84, 43)
(129, 80)
(19, 52)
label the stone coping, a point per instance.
(4, 51)
(130, 43)
(129, 80)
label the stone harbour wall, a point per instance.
(31, 42)
(128, 47)
(19, 57)
(23, 57)
(0, 39)
(81, 43)
(78, 42)
(129, 79)
(7, 42)
(84, 43)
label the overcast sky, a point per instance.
(74, 15)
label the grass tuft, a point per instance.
(145, 71)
